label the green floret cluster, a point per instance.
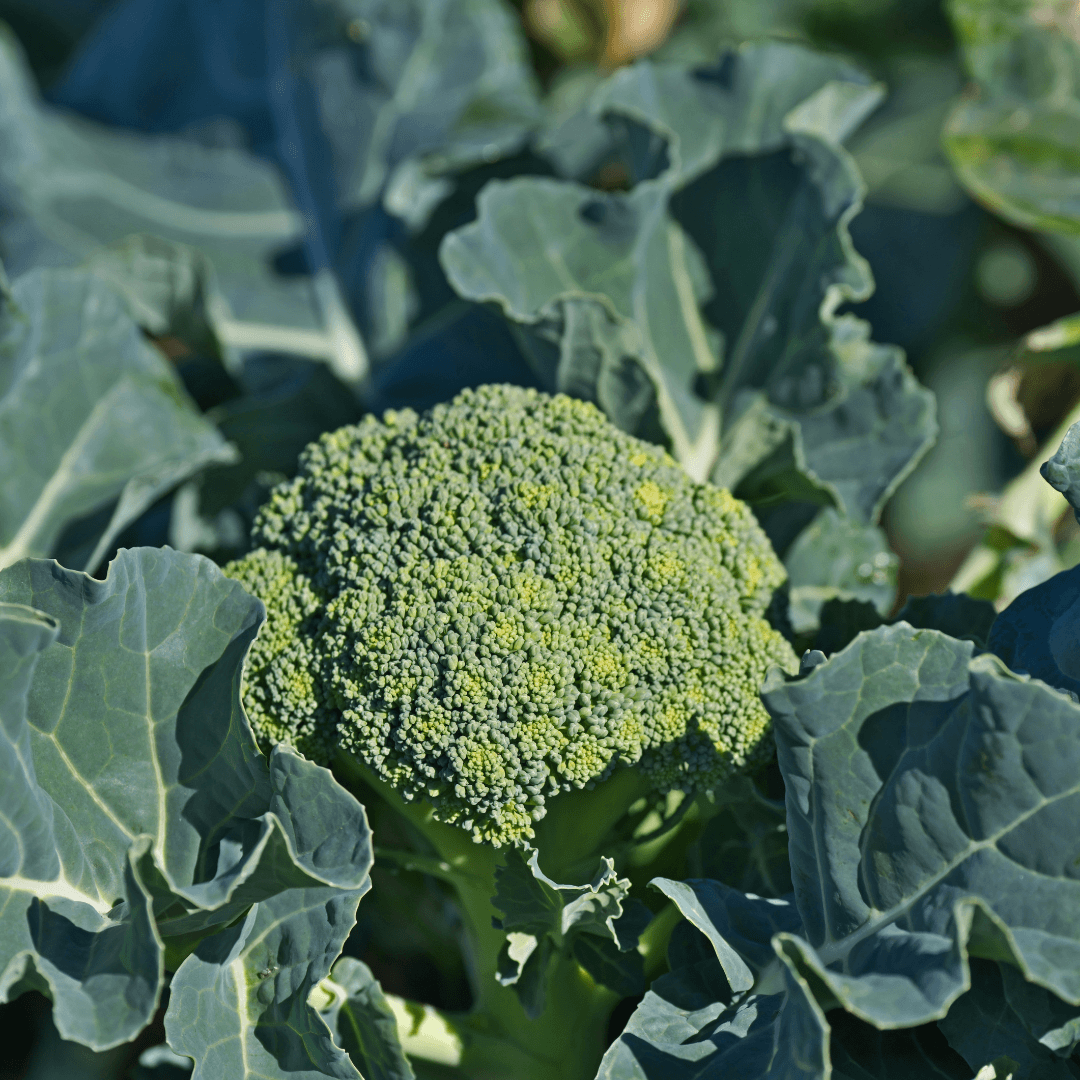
(506, 598)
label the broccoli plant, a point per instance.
(478, 462)
(515, 623)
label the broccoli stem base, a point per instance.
(567, 1041)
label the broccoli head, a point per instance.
(505, 598)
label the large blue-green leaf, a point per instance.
(90, 415)
(452, 88)
(57, 932)
(932, 801)
(239, 1003)
(71, 185)
(699, 306)
(930, 791)
(144, 817)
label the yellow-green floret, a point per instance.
(506, 598)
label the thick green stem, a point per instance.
(567, 1040)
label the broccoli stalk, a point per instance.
(499, 1040)
(512, 620)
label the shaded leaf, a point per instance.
(956, 614)
(629, 299)
(540, 915)
(861, 1052)
(1047, 1018)
(1012, 143)
(835, 558)
(744, 843)
(1034, 634)
(90, 415)
(982, 1026)
(364, 1025)
(623, 972)
(148, 818)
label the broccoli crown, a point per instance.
(505, 598)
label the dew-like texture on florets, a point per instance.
(506, 598)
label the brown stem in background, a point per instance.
(635, 28)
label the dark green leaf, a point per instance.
(982, 1026)
(841, 621)
(740, 928)
(956, 614)
(540, 916)
(1034, 634)
(364, 1025)
(1047, 1018)
(861, 1052)
(535, 904)
(623, 972)
(744, 843)
(523, 964)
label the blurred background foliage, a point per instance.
(971, 227)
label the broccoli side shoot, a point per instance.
(506, 598)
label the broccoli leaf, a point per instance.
(364, 1024)
(368, 109)
(982, 1025)
(90, 415)
(146, 818)
(1048, 1019)
(57, 931)
(632, 300)
(744, 842)
(1012, 142)
(72, 185)
(239, 1002)
(835, 558)
(1062, 470)
(739, 927)
(168, 288)
(1035, 634)
(598, 921)
(929, 796)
